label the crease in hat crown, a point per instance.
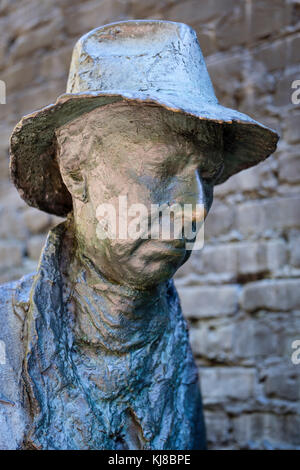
(139, 62)
(149, 56)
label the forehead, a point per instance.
(121, 127)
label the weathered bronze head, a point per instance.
(121, 162)
(140, 120)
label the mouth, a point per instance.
(152, 250)
(160, 249)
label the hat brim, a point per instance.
(34, 167)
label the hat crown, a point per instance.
(149, 56)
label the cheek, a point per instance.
(101, 188)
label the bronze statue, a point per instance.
(97, 350)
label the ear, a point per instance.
(76, 184)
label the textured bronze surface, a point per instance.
(102, 358)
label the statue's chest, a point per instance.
(126, 397)
(111, 376)
(114, 402)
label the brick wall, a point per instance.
(241, 293)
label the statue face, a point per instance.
(121, 164)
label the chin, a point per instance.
(154, 276)
(154, 262)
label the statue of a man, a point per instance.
(97, 350)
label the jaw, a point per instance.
(142, 263)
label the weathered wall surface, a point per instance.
(241, 294)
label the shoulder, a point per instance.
(14, 302)
(10, 323)
(6, 292)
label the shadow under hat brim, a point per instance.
(34, 167)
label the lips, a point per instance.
(153, 250)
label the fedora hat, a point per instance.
(150, 62)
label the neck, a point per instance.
(115, 317)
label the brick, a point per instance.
(45, 36)
(232, 29)
(254, 339)
(217, 427)
(226, 74)
(266, 431)
(207, 41)
(11, 254)
(38, 96)
(8, 112)
(272, 56)
(2, 52)
(268, 17)
(148, 8)
(294, 50)
(295, 252)
(14, 225)
(30, 15)
(4, 6)
(55, 220)
(92, 14)
(36, 221)
(272, 295)
(16, 272)
(220, 220)
(35, 245)
(282, 381)
(291, 431)
(5, 132)
(259, 217)
(12, 205)
(292, 130)
(289, 167)
(212, 341)
(56, 64)
(240, 258)
(247, 180)
(246, 428)
(265, 337)
(295, 12)
(208, 301)
(219, 258)
(4, 166)
(19, 76)
(220, 384)
(261, 257)
(191, 11)
(288, 330)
